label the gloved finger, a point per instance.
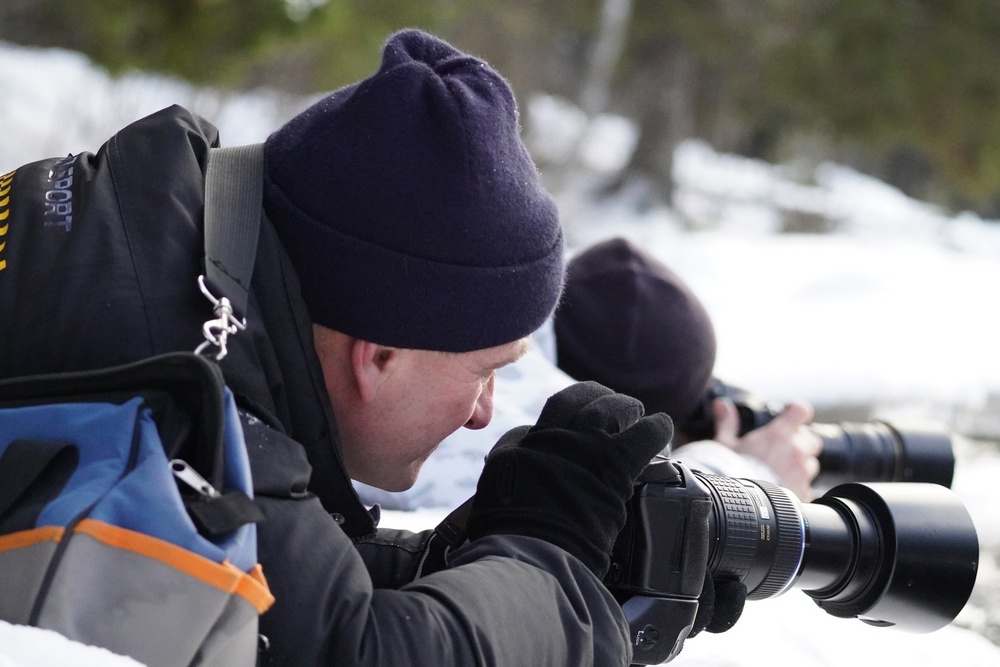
(562, 407)
(706, 606)
(730, 596)
(639, 443)
(611, 413)
(509, 439)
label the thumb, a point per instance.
(727, 421)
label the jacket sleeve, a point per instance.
(396, 557)
(506, 601)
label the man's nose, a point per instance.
(483, 412)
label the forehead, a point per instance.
(505, 354)
(494, 357)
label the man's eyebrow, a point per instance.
(507, 361)
(522, 350)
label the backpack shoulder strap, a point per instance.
(233, 191)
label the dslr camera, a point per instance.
(889, 554)
(852, 452)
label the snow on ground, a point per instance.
(22, 646)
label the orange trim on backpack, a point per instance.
(253, 587)
(224, 576)
(27, 538)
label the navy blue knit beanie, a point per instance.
(411, 209)
(630, 323)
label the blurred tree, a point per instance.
(339, 41)
(294, 45)
(669, 79)
(910, 86)
(905, 90)
(203, 41)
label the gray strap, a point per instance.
(233, 188)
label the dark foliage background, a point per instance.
(906, 90)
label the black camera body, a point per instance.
(903, 555)
(852, 452)
(660, 559)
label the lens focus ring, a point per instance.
(790, 546)
(760, 536)
(737, 528)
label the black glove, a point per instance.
(566, 479)
(719, 605)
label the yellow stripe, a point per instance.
(5, 189)
(3, 264)
(4, 202)
(225, 577)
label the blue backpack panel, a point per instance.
(126, 512)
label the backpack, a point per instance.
(126, 512)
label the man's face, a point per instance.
(419, 398)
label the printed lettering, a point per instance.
(59, 199)
(58, 209)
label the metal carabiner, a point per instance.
(217, 331)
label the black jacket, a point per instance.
(99, 257)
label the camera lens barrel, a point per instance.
(880, 452)
(757, 534)
(852, 452)
(887, 553)
(866, 452)
(917, 555)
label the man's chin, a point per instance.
(399, 479)
(398, 488)
(392, 485)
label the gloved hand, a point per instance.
(566, 479)
(719, 605)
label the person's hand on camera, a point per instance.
(566, 479)
(785, 443)
(720, 605)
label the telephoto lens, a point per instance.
(901, 555)
(852, 452)
(881, 452)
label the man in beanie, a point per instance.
(406, 252)
(629, 322)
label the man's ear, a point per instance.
(372, 363)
